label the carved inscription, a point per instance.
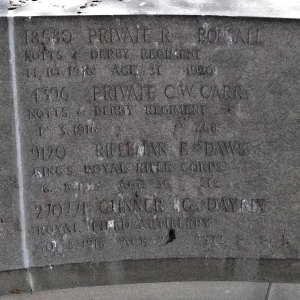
(136, 138)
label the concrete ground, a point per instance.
(172, 291)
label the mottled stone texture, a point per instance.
(10, 229)
(171, 290)
(147, 137)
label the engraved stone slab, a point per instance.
(159, 137)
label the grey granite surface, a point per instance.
(10, 225)
(135, 145)
(140, 140)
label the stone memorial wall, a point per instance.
(136, 138)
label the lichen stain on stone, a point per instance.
(16, 291)
(177, 205)
(288, 250)
(140, 147)
(111, 223)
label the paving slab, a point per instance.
(157, 291)
(284, 291)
